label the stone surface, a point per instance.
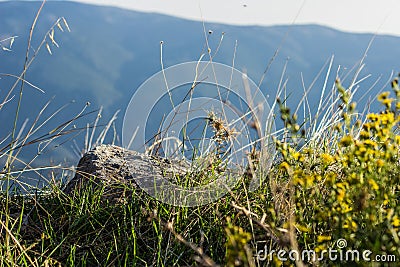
(109, 164)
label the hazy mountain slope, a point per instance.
(111, 51)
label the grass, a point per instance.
(335, 178)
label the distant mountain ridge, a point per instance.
(111, 51)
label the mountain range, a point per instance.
(110, 52)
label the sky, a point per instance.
(371, 16)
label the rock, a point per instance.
(112, 165)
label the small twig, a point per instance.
(252, 216)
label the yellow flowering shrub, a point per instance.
(349, 189)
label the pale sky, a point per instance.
(372, 16)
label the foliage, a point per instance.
(349, 189)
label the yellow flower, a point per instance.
(340, 195)
(346, 208)
(371, 143)
(302, 228)
(309, 180)
(350, 224)
(286, 166)
(298, 181)
(383, 96)
(319, 248)
(380, 163)
(365, 135)
(387, 118)
(323, 238)
(386, 201)
(387, 102)
(296, 155)
(396, 221)
(346, 141)
(327, 159)
(373, 184)
(372, 117)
